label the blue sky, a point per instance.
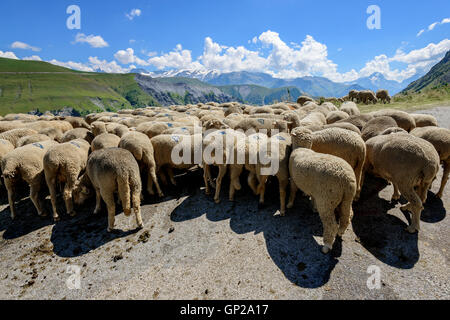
(286, 38)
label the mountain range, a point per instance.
(311, 85)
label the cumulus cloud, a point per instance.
(310, 57)
(105, 66)
(93, 41)
(420, 32)
(8, 54)
(33, 58)
(72, 65)
(176, 59)
(24, 46)
(133, 14)
(127, 56)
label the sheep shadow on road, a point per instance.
(383, 234)
(289, 240)
(76, 236)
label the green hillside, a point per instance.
(11, 65)
(44, 87)
(438, 76)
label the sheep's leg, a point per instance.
(9, 184)
(34, 196)
(68, 191)
(98, 201)
(262, 188)
(396, 194)
(108, 197)
(51, 183)
(359, 171)
(235, 172)
(162, 176)
(125, 195)
(444, 178)
(414, 205)
(330, 228)
(345, 215)
(283, 182)
(251, 182)
(152, 179)
(206, 177)
(136, 203)
(292, 194)
(423, 191)
(171, 176)
(222, 172)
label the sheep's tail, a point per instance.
(123, 187)
(359, 168)
(135, 186)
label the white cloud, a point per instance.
(105, 66)
(33, 58)
(72, 65)
(127, 56)
(24, 46)
(8, 54)
(133, 14)
(433, 25)
(93, 41)
(177, 59)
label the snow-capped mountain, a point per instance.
(202, 75)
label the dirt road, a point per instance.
(194, 249)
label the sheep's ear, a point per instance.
(85, 190)
(293, 134)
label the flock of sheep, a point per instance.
(322, 150)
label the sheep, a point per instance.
(10, 125)
(112, 170)
(164, 146)
(32, 139)
(314, 118)
(376, 126)
(231, 108)
(336, 116)
(344, 144)
(352, 95)
(281, 155)
(105, 140)
(403, 119)
(350, 108)
(152, 129)
(359, 121)
(78, 133)
(302, 99)
(40, 125)
(141, 148)
(76, 122)
(264, 110)
(99, 127)
(54, 133)
(15, 135)
(21, 117)
(262, 124)
(343, 125)
(5, 148)
(367, 96)
(424, 120)
(27, 163)
(417, 169)
(63, 163)
(330, 106)
(440, 139)
(327, 179)
(383, 96)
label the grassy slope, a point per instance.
(84, 92)
(438, 96)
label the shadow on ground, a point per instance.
(290, 240)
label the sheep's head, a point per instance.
(215, 124)
(301, 138)
(83, 190)
(281, 125)
(98, 128)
